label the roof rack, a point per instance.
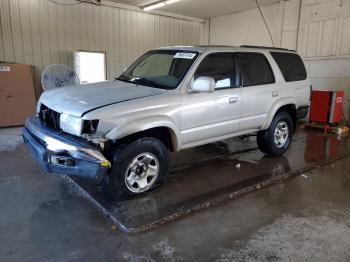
(267, 47)
(214, 46)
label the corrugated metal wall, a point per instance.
(41, 33)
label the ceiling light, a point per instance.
(159, 4)
(168, 2)
(150, 7)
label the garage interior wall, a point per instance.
(323, 38)
(40, 33)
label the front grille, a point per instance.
(49, 117)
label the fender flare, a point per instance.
(275, 107)
(143, 124)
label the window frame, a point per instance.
(267, 61)
(235, 74)
(75, 53)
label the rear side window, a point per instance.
(291, 66)
(221, 67)
(254, 69)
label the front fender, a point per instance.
(275, 107)
(142, 124)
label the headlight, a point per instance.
(71, 124)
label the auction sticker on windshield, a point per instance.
(184, 55)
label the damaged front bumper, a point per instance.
(61, 153)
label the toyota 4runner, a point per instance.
(120, 132)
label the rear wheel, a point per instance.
(276, 140)
(138, 167)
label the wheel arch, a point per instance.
(292, 111)
(161, 129)
(288, 106)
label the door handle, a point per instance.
(275, 93)
(233, 99)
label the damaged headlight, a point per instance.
(71, 124)
(90, 126)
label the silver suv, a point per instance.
(120, 132)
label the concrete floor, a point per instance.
(303, 218)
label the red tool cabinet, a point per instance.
(326, 106)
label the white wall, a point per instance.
(246, 27)
(323, 36)
(41, 33)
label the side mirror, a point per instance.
(203, 84)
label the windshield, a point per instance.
(163, 69)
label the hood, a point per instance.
(76, 100)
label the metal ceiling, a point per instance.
(202, 8)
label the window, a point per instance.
(291, 66)
(163, 69)
(90, 66)
(254, 69)
(221, 67)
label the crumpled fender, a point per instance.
(145, 123)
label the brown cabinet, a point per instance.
(17, 95)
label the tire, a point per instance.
(138, 167)
(277, 145)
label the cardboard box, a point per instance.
(17, 94)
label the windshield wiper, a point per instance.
(144, 81)
(122, 78)
(141, 81)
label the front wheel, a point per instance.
(138, 167)
(276, 140)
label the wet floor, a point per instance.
(208, 175)
(305, 217)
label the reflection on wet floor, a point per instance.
(207, 175)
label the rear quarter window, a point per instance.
(291, 66)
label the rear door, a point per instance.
(259, 89)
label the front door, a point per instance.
(211, 116)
